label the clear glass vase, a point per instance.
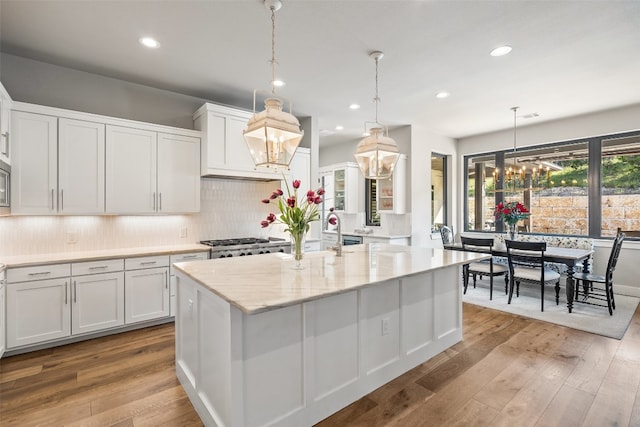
(297, 248)
(512, 231)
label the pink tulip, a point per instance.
(271, 217)
(320, 191)
(265, 201)
(291, 202)
(311, 193)
(332, 220)
(273, 196)
(317, 200)
(332, 209)
(264, 224)
(279, 191)
(296, 183)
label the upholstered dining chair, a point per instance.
(605, 292)
(482, 268)
(526, 264)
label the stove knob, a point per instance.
(249, 253)
(229, 256)
(242, 253)
(261, 252)
(222, 256)
(281, 250)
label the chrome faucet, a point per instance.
(338, 246)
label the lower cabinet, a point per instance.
(98, 302)
(146, 289)
(37, 311)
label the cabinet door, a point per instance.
(98, 302)
(237, 154)
(34, 147)
(130, 170)
(2, 317)
(37, 311)
(178, 174)
(146, 294)
(5, 109)
(81, 167)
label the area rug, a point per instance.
(584, 317)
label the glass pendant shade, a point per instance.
(377, 155)
(273, 135)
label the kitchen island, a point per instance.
(260, 343)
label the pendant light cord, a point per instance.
(377, 98)
(273, 49)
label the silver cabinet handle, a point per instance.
(100, 267)
(42, 273)
(61, 200)
(166, 280)
(6, 144)
(75, 292)
(52, 200)
(66, 290)
(154, 201)
(160, 201)
(148, 262)
(189, 256)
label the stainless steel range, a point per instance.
(225, 248)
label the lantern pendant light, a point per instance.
(272, 135)
(377, 154)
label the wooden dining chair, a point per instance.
(482, 268)
(605, 292)
(526, 264)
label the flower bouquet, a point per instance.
(510, 213)
(295, 214)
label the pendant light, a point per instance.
(272, 135)
(377, 154)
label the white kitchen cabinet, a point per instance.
(347, 185)
(391, 240)
(193, 256)
(149, 172)
(59, 165)
(3, 329)
(224, 151)
(34, 147)
(37, 311)
(80, 167)
(178, 173)
(391, 192)
(131, 164)
(5, 125)
(147, 293)
(98, 302)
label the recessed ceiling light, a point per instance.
(500, 51)
(149, 42)
(278, 83)
(339, 127)
(442, 95)
(354, 106)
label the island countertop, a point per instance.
(266, 282)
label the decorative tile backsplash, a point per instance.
(229, 208)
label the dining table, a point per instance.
(571, 257)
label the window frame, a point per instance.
(594, 177)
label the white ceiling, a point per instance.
(569, 57)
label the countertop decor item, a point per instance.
(510, 213)
(295, 213)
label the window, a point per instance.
(584, 187)
(439, 215)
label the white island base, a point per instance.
(297, 364)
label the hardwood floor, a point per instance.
(507, 371)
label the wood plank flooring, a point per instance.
(507, 371)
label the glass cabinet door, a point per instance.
(339, 189)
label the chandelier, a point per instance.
(377, 154)
(272, 135)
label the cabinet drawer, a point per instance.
(52, 271)
(146, 262)
(193, 256)
(95, 267)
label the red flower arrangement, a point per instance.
(511, 212)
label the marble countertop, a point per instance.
(79, 256)
(266, 282)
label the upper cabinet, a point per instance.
(65, 165)
(5, 126)
(150, 172)
(224, 150)
(345, 184)
(391, 193)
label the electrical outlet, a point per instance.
(385, 326)
(72, 237)
(183, 232)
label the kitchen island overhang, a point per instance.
(258, 343)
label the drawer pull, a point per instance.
(148, 262)
(75, 292)
(100, 267)
(190, 256)
(66, 292)
(42, 273)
